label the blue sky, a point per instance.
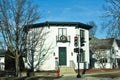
(73, 11)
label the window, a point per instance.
(82, 56)
(62, 31)
(103, 60)
(62, 35)
(113, 50)
(82, 33)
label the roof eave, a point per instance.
(47, 23)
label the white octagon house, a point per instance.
(61, 37)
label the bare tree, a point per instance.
(93, 30)
(112, 18)
(101, 57)
(14, 15)
(99, 53)
(37, 49)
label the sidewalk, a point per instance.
(69, 78)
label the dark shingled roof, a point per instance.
(118, 43)
(2, 53)
(101, 43)
(48, 23)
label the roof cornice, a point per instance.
(49, 23)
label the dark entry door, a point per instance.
(62, 56)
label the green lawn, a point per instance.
(28, 78)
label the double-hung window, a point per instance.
(62, 34)
(82, 56)
(82, 34)
(62, 31)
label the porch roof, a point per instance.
(49, 23)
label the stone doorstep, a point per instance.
(67, 71)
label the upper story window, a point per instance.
(82, 37)
(82, 33)
(62, 35)
(113, 50)
(62, 31)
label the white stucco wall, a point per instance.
(50, 63)
(2, 63)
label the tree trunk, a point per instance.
(17, 65)
(32, 68)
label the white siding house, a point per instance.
(2, 59)
(105, 53)
(61, 38)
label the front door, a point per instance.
(62, 56)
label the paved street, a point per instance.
(69, 78)
(84, 78)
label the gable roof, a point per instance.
(101, 43)
(48, 23)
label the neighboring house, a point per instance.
(105, 53)
(2, 59)
(61, 35)
(118, 53)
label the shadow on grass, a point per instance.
(13, 78)
(42, 78)
(29, 78)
